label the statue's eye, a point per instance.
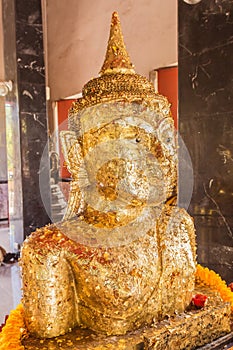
(138, 139)
(168, 139)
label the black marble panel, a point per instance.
(31, 68)
(34, 139)
(206, 124)
(32, 97)
(29, 12)
(29, 39)
(33, 117)
(34, 126)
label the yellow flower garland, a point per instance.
(214, 281)
(14, 330)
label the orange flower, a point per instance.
(14, 330)
(213, 280)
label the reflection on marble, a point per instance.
(3, 201)
(12, 129)
(25, 57)
(15, 212)
(3, 167)
(10, 279)
(205, 124)
(10, 289)
(5, 238)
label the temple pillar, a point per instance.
(26, 117)
(205, 124)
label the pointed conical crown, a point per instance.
(117, 81)
(116, 59)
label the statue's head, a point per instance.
(121, 148)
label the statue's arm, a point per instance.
(48, 288)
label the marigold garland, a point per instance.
(14, 330)
(214, 281)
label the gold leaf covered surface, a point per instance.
(116, 58)
(111, 290)
(119, 261)
(187, 331)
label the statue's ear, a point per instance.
(73, 157)
(68, 138)
(72, 152)
(167, 136)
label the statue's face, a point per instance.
(129, 158)
(123, 165)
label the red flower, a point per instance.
(231, 286)
(199, 300)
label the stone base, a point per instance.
(223, 343)
(187, 331)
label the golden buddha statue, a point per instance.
(124, 255)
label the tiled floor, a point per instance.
(10, 282)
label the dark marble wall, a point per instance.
(27, 60)
(206, 124)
